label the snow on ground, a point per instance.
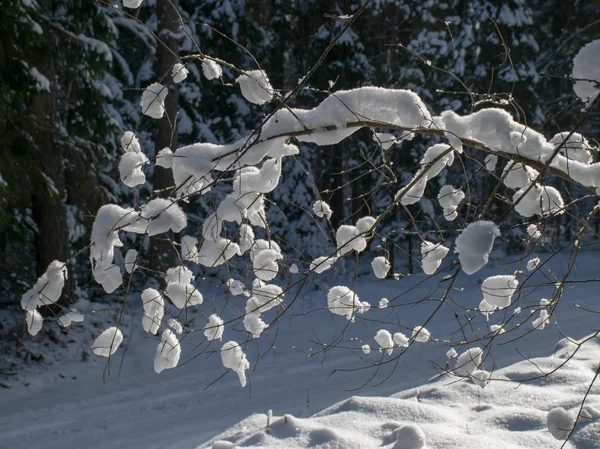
(448, 414)
(66, 405)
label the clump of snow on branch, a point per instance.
(153, 100)
(168, 352)
(343, 301)
(432, 255)
(573, 146)
(468, 362)
(474, 245)
(72, 316)
(211, 69)
(421, 334)
(322, 209)
(381, 267)
(34, 322)
(47, 289)
(130, 261)
(214, 328)
(450, 198)
(107, 342)
(497, 292)
(179, 72)
(586, 72)
(233, 358)
(256, 87)
(180, 289)
(133, 4)
(154, 309)
(385, 341)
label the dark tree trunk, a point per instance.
(167, 54)
(49, 208)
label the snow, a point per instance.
(474, 245)
(321, 264)
(586, 72)
(409, 436)
(255, 86)
(130, 260)
(183, 295)
(385, 341)
(211, 69)
(401, 340)
(233, 358)
(34, 322)
(153, 100)
(236, 287)
(168, 352)
(381, 267)
(532, 264)
(365, 224)
(432, 255)
(450, 198)
(108, 342)
(343, 301)
(154, 309)
(533, 232)
(72, 316)
(468, 362)
(164, 158)
(421, 334)
(322, 209)
(47, 289)
(349, 238)
(573, 146)
(179, 72)
(437, 152)
(560, 423)
(507, 413)
(383, 303)
(498, 290)
(214, 328)
(133, 4)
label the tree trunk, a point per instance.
(162, 255)
(49, 208)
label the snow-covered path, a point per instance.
(174, 410)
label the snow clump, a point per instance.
(432, 255)
(409, 436)
(168, 352)
(560, 423)
(586, 72)
(214, 328)
(256, 87)
(450, 198)
(421, 334)
(107, 342)
(34, 322)
(385, 341)
(72, 316)
(343, 301)
(153, 100)
(381, 267)
(211, 69)
(47, 289)
(154, 309)
(233, 358)
(468, 362)
(322, 209)
(179, 73)
(474, 245)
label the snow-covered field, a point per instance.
(66, 404)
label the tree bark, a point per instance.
(162, 255)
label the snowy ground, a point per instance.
(67, 405)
